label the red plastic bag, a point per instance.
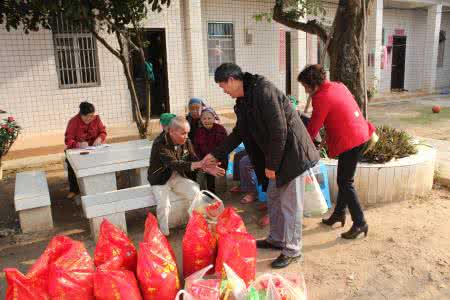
(113, 282)
(238, 250)
(24, 287)
(152, 233)
(199, 245)
(229, 221)
(157, 272)
(114, 242)
(71, 271)
(34, 284)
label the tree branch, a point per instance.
(104, 42)
(311, 26)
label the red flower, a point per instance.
(4, 126)
(10, 119)
(10, 130)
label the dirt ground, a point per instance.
(415, 117)
(405, 256)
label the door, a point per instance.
(288, 63)
(398, 63)
(155, 53)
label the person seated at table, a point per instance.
(83, 130)
(195, 106)
(173, 163)
(207, 138)
(164, 120)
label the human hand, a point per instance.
(98, 141)
(210, 161)
(214, 171)
(83, 144)
(270, 173)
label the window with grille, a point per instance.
(441, 49)
(76, 55)
(220, 44)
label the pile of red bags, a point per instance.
(64, 271)
(157, 270)
(229, 243)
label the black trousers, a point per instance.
(347, 196)
(73, 183)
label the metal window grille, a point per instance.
(76, 55)
(220, 44)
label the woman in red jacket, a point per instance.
(347, 133)
(84, 129)
(207, 138)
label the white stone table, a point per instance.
(96, 171)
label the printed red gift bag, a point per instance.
(71, 272)
(199, 245)
(157, 272)
(113, 282)
(237, 250)
(152, 233)
(34, 284)
(229, 221)
(114, 242)
(22, 287)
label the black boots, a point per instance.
(283, 261)
(334, 219)
(264, 244)
(355, 231)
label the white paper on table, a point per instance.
(96, 147)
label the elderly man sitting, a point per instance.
(172, 167)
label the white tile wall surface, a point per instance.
(29, 87)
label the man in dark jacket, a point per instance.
(172, 165)
(279, 148)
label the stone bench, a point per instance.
(113, 206)
(32, 201)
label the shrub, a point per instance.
(393, 144)
(9, 131)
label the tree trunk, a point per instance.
(346, 48)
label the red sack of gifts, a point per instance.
(237, 250)
(199, 245)
(71, 272)
(24, 287)
(113, 282)
(114, 242)
(152, 233)
(229, 221)
(35, 284)
(157, 272)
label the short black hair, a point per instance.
(86, 108)
(312, 75)
(227, 70)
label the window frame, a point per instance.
(219, 38)
(62, 32)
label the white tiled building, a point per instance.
(193, 37)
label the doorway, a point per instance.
(288, 63)
(398, 63)
(155, 53)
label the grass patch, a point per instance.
(426, 116)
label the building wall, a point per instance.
(443, 73)
(261, 57)
(414, 23)
(29, 87)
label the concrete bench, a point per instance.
(32, 201)
(113, 206)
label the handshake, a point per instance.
(210, 165)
